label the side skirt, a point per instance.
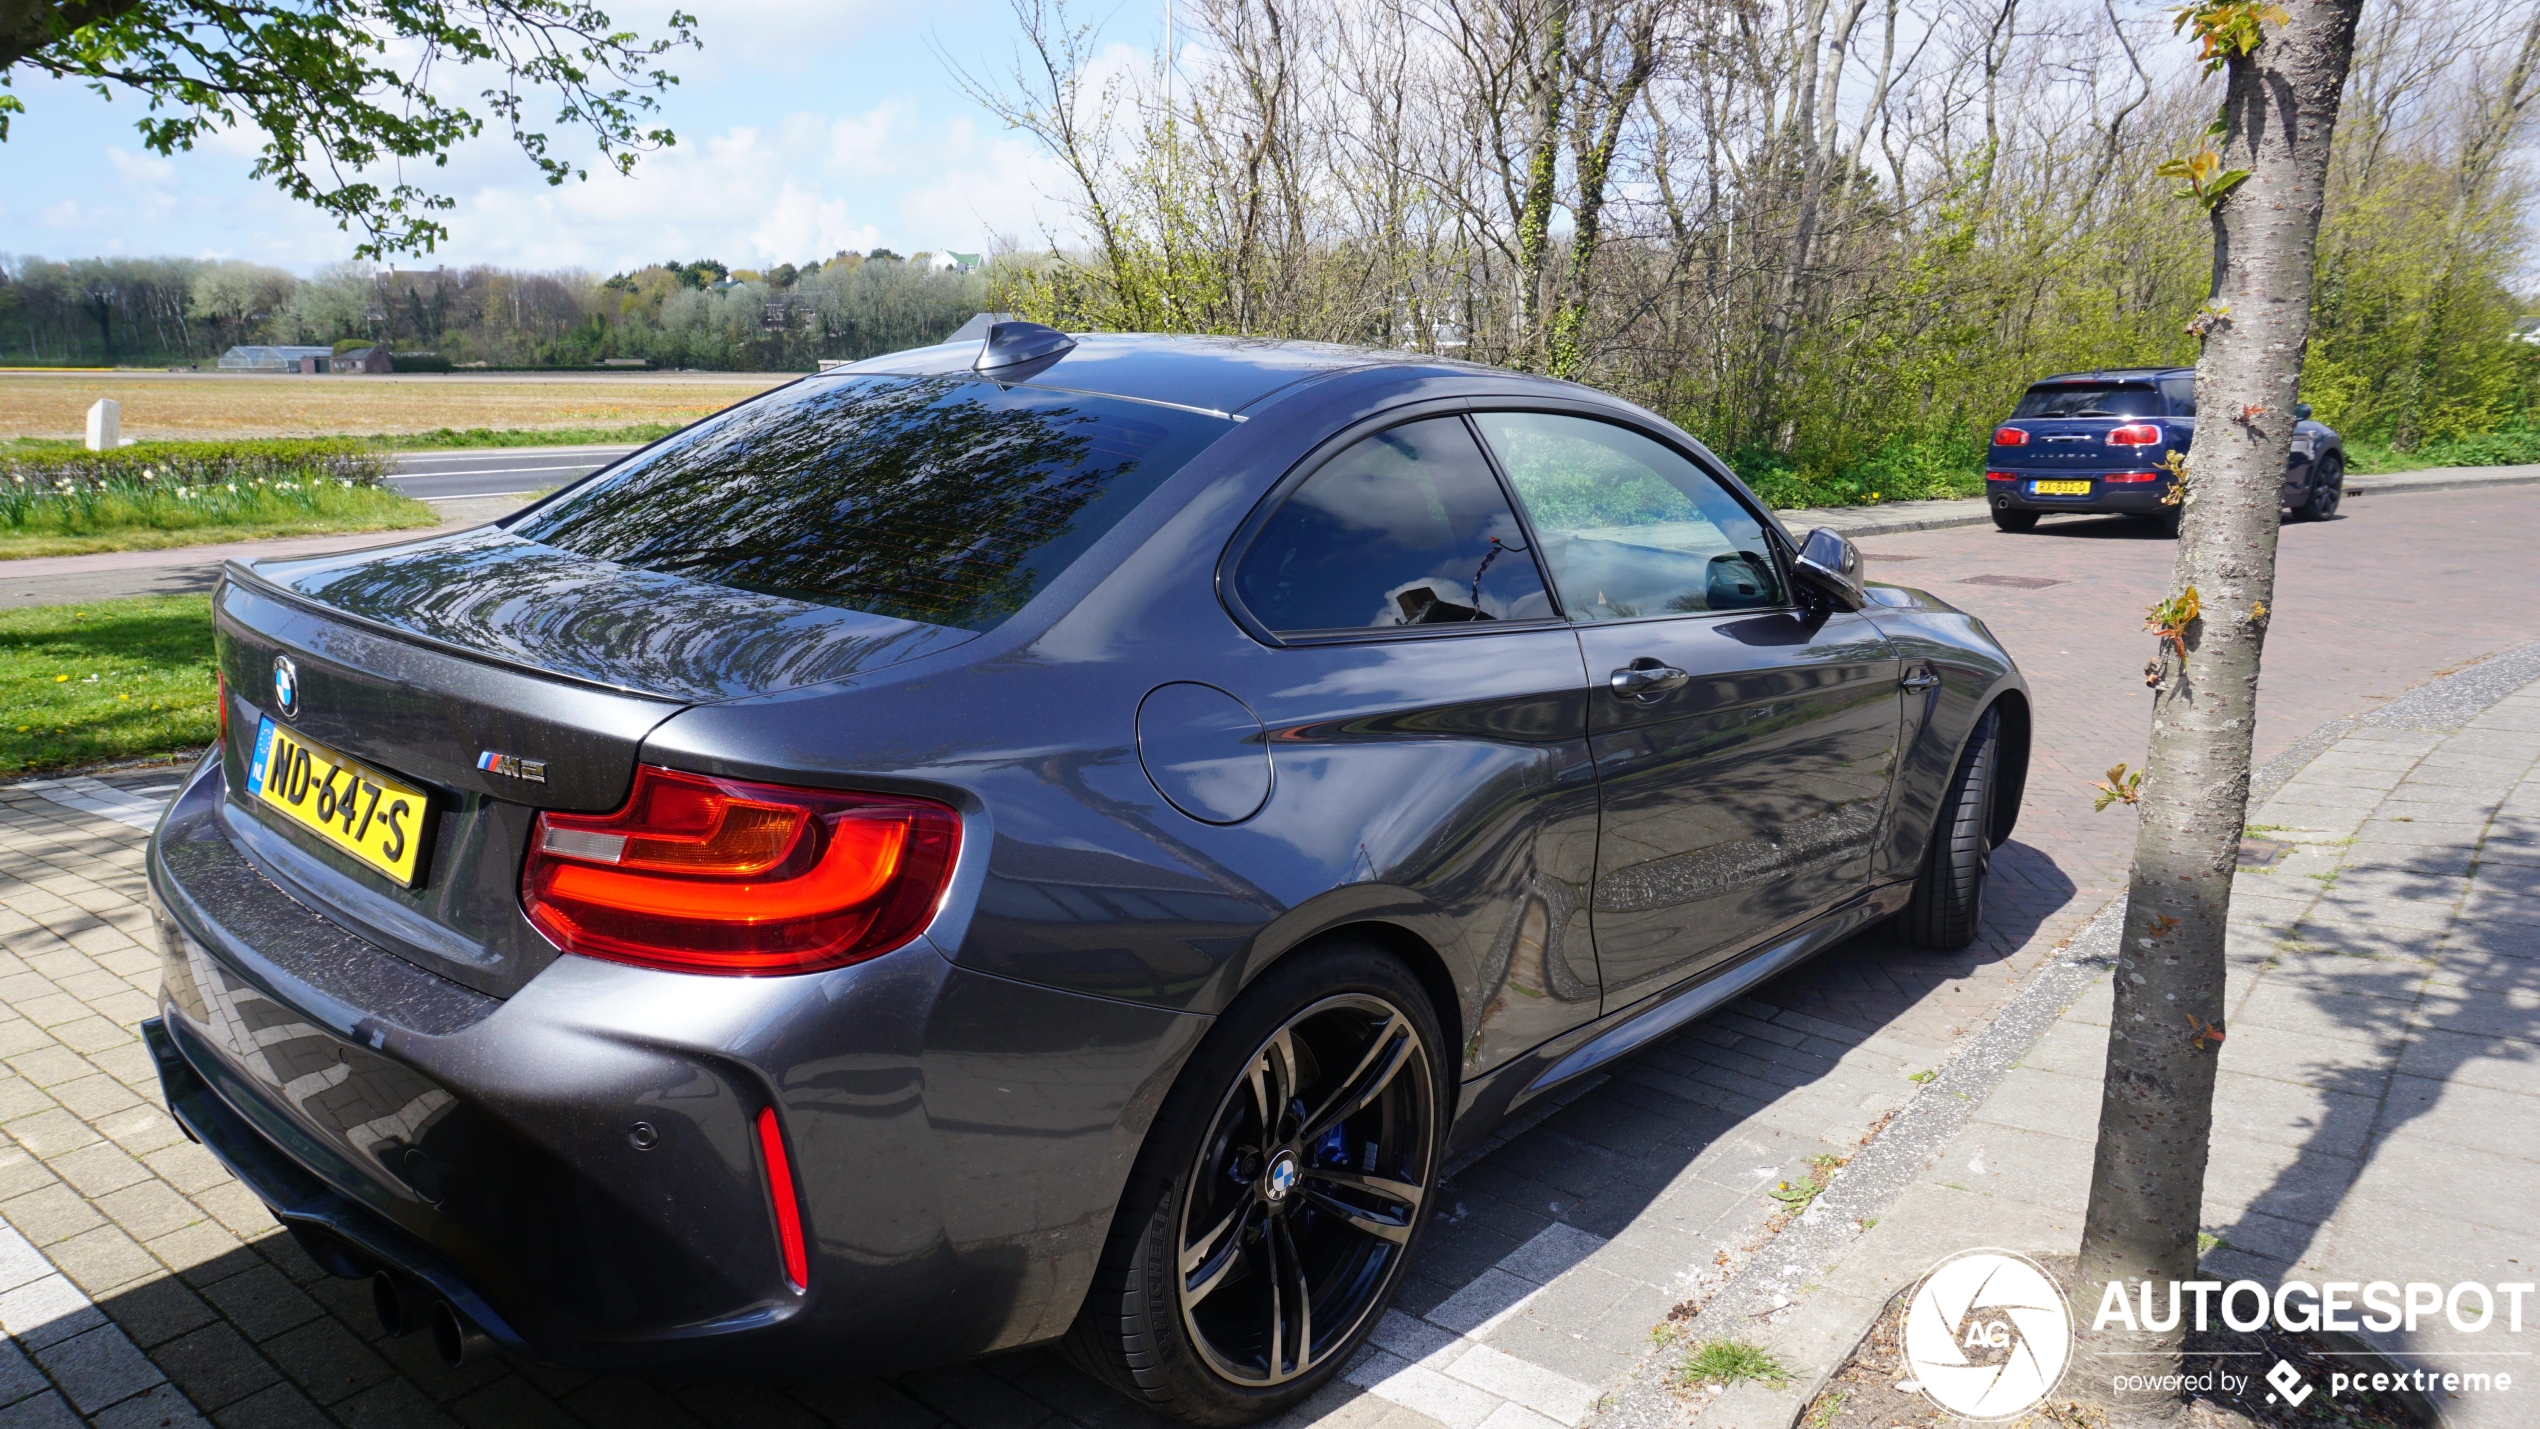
(1496, 1095)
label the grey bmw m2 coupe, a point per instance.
(1035, 839)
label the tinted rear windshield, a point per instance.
(2090, 399)
(939, 499)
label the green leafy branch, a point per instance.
(2118, 788)
(2208, 182)
(2225, 28)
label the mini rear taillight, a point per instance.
(2130, 476)
(2009, 437)
(2137, 434)
(697, 874)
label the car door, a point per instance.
(1744, 743)
(1427, 710)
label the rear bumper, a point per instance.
(574, 1168)
(2127, 498)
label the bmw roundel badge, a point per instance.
(286, 686)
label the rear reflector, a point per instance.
(780, 1198)
(2001, 476)
(2139, 434)
(708, 875)
(2009, 437)
(2125, 476)
(220, 708)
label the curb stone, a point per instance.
(1815, 1327)
(1900, 517)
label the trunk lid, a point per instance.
(423, 660)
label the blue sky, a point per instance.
(805, 127)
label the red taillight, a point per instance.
(705, 875)
(780, 1198)
(220, 711)
(2009, 437)
(2138, 434)
(2001, 476)
(2129, 476)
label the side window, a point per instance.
(1408, 527)
(2182, 394)
(1628, 527)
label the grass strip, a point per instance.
(112, 679)
(1727, 1362)
(449, 439)
(65, 502)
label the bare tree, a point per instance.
(2264, 187)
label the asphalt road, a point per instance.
(499, 471)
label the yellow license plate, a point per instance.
(376, 819)
(2060, 488)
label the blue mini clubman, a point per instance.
(2101, 442)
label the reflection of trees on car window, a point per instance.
(1628, 527)
(925, 498)
(1407, 527)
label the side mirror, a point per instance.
(1830, 565)
(2301, 411)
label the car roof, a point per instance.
(1221, 375)
(2115, 374)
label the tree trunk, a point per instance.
(2156, 1114)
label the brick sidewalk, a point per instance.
(1555, 1252)
(2377, 1099)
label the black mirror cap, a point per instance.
(1018, 344)
(1831, 566)
(2301, 411)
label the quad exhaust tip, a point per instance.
(405, 1306)
(455, 1340)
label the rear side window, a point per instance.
(2090, 399)
(1629, 528)
(934, 499)
(1408, 527)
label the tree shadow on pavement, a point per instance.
(2391, 1046)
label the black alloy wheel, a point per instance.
(1269, 1219)
(2328, 487)
(1306, 1190)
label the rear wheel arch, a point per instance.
(1410, 948)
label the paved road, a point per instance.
(501, 471)
(147, 1273)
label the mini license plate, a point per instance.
(376, 819)
(2059, 488)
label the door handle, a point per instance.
(1645, 679)
(1919, 680)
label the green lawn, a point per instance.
(116, 679)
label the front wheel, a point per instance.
(2009, 520)
(1948, 901)
(1278, 1196)
(2328, 487)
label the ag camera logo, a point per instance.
(1987, 1334)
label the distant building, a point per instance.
(275, 359)
(949, 262)
(362, 359)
